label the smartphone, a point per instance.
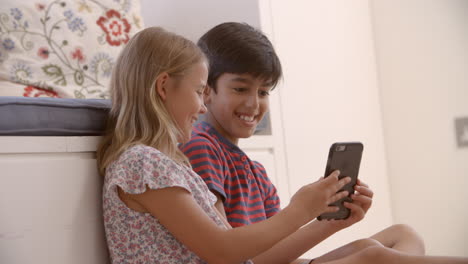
(345, 157)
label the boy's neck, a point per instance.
(215, 124)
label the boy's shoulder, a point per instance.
(201, 135)
(206, 139)
(203, 141)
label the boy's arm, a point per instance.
(271, 201)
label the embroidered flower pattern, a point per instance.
(40, 6)
(43, 52)
(62, 45)
(16, 13)
(102, 62)
(31, 91)
(115, 27)
(8, 44)
(20, 72)
(77, 54)
(74, 23)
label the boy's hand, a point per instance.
(362, 201)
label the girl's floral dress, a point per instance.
(134, 237)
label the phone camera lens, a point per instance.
(340, 148)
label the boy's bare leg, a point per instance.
(383, 255)
(347, 250)
(402, 238)
(399, 237)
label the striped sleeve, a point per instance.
(207, 161)
(271, 199)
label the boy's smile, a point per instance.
(238, 105)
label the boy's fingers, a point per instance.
(343, 182)
(338, 196)
(331, 209)
(364, 191)
(361, 199)
(359, 182)
(357, 210)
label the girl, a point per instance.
(156, 209)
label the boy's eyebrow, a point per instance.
(241, 79)
(249, 81)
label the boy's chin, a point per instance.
(247, 134)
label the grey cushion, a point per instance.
(26, 116)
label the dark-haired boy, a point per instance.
(244, 69)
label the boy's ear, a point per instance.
(207, 94)
(161, 85)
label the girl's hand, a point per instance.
(362, 201)
(315, 198)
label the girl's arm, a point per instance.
(176, 209)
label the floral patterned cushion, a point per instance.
(63, 48)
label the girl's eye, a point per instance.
(201, 90)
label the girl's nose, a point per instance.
(202, 109)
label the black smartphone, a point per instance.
(345, 157)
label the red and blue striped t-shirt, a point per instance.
(248, 194)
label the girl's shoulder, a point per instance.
(142, 152)
(143, 157)
(140, 166)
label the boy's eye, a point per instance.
(239, 89)
(264, 93)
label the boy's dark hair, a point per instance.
(239, 48)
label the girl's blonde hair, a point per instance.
(138, 115)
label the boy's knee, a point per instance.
(407, 232)
(366, 242)
(403, 228)
(375, 253)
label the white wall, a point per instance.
(422, 50)
(330, 93)
(193, 18)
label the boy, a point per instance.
(244, 69)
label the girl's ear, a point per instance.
(161, 85)
(207, 94)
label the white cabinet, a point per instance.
(50, 201)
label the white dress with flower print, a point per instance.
(134, 237)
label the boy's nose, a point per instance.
(252, 101)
